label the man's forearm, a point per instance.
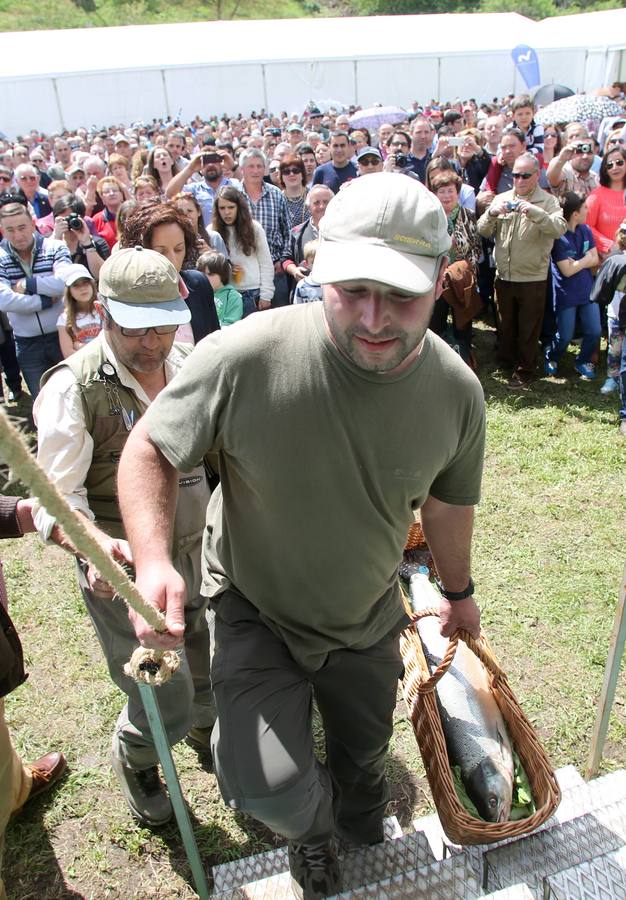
(177, 183)
(448, 531)
(147, 491)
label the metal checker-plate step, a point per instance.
(515, 892)
(441, 846)
(550, 851)
(598, 879)
(247, 871)
(449, 879)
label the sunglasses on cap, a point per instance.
(523, 175)
(617, 164)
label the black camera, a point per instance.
(402, 160)
(584, 147)
(74, 222)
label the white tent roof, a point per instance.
(24, 54)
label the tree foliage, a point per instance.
(533, 9)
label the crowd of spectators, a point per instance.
(249, 192)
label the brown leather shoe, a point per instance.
(46, 771)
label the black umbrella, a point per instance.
(548, 93)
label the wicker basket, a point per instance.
(418, 688)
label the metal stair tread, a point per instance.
(449, 879)
(596, 879)
(260, 866)
(551, 850)
(519, 891)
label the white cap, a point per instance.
(385, 227)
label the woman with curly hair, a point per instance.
(164, 228)
(247, 247)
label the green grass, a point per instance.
(33, 15)
(548, 558)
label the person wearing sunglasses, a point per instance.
(27, 179)
(525, 223)
(89, 404)
(369, 160)
(606, 205)
(292, 181)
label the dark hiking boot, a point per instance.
(314, 870)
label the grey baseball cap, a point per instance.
(385, 227)
(141, 289)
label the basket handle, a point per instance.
(478, 647)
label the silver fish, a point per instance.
(473, 726)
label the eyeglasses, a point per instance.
(399, 144)
(291, 170)
(6, 178)
(369, 161)
(523, 175)
(141, 332)
(618, 164)
(550, 134)
(27, 178)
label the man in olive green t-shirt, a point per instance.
(329, 424)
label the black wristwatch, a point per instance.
(452, 596)
(90, 246)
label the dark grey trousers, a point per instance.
(263, 742)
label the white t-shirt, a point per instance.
(88, 326)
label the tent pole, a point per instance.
(165, 95)
(55, 87)
(356, 82)
(611, 672)
(264, 80)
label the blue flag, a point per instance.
(525, 58)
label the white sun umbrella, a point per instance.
(376, 116)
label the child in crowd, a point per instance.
(79, 322)
(523, 111)
(219, 271)
(616, 348)
(306, 289)
(573, 256)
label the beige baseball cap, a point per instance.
(384, 227)
(141, 289)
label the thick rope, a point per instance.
(30, 473)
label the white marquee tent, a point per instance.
(139, 72)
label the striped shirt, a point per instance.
(34, 312)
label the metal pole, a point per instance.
(151, 705)
(611, 672)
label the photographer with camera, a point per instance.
(571, 169)
(86, 249)
(209, 164)
(398, 155)
(525, 223)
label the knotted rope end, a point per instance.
(154, 667)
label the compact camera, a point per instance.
(512, 205)
(74, 222)
(584, 147)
